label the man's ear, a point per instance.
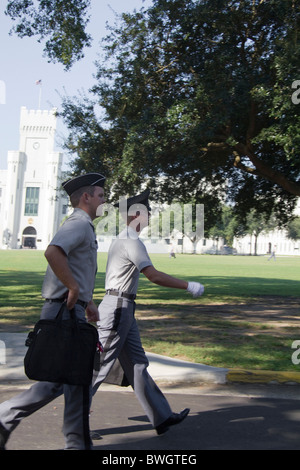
(85, 197)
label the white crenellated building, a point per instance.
(31, 205)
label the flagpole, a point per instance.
(39, 82)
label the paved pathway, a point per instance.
(250, 412)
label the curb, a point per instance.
(174, 371)
(262, 377)
(168, 370)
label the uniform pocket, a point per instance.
(110, 313)
(92, 252)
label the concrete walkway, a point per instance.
(230, 410)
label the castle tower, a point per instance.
(33, 204)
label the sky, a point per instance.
(22, 64)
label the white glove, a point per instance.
(195, 288)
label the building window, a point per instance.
(32, 201)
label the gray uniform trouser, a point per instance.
(119, 335)
(41, 393)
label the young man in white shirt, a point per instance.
(118, 330)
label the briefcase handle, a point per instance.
(64, 307)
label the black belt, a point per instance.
(79, 302)
(118, 293)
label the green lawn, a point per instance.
(229, 278)
(171, 321)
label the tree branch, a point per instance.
(241, 166)
(265, 171)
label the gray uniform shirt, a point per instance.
(127, 256)
(76, 237)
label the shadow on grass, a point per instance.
(20, 288)
(23, 288)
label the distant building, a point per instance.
(176, 242)
(31, 203)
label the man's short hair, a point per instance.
(75, 197)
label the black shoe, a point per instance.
(175, 418)
(4, 435)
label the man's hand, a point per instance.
(195, 288)
(92, 313)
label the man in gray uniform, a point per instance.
(70, 278)
(118, 331)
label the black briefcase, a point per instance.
(61, 351)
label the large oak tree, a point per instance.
(199, 93)
(195, 95)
